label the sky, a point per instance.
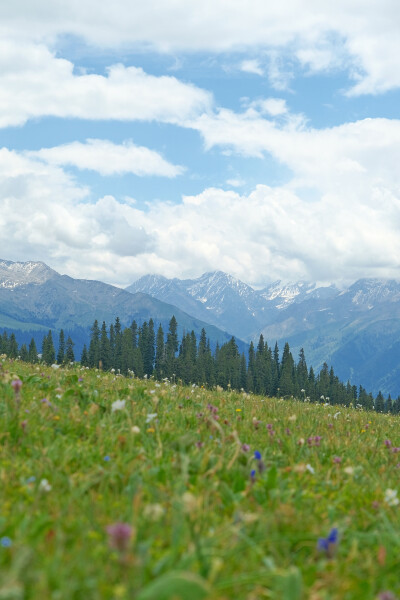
(179, 137)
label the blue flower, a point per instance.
(328, 544)
(107, 458)
(253, 475)
(257, 455)
(6, 542)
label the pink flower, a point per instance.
(16, 384)
(119, 536)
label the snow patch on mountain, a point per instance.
(15, 274)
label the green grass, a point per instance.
(201, 528)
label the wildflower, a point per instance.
(253, 475)
(118, 405)
(245, 447)
(395, 450)
(150, 417)
(328, 545)
(119, 536)
(135, 429)
(257, 455)
(238, 410)
(107, 458)
(337, 459)
(388, 443)
(387, 596)
(335, 416)
(5, 542)
(310, 469)
(150, 430)
(349, 470)
(199, 444)
(16, 384)
(391, 497)
(153, 512)
(44, 486)
(54, 366)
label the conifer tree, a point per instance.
(118, 345)
(379, 403)
(23, 353)
(84, 357)
(171, 347)
(104, 350)
(12, 346)
(69, 351)
(32, 352)
(94, 346)
(287, 373)
(48, 351)
(61, 348)
(251, 365)
(160, 353)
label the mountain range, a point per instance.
(356, 329)
(34, 298)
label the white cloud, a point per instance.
(108, 158)
(251, 66)
(271, 106)
(323, 35)
(349, 228)
(34, 83)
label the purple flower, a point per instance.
(257, 455)
(337, 459)
(16, 384)
(245, 447)
(388, 443)
(119, 536)
(328, 545)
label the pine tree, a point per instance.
(118, 345)
(12, 347)
(48, 351)
(379, 403)
(32, 352)
(287, 373)
(94, 346)
(160, 353)
(104, 350)
(84, 357)
(23, 353)
(171, 347)
(69, 351)
(127, 357)
(61, 348)
(302, 375)
(251, 366)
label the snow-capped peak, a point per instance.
(14, 274)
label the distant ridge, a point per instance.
(357, 330)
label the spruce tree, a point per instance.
(104, 350)
(69, 351)
(12, 347)
(23, 353)
(379, 403)
(160, 353)
(171, 347)
(84, 357)
(61, 348)
(32, 352)
(94, 346)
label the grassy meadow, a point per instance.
(116, 488)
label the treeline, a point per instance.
(145, 352)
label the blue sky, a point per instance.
(179, 138)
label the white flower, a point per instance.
(44, 486)
(150, 417)
(335, 416)
(135, 429)
(55, 366)
(391, 497)
(118, 405)
(310, 469)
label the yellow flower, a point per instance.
(151, 430)
(238, 410)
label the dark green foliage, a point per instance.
(61, 348)
(48, 351)
(32, 352)
(69, 351)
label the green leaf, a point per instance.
(176, 585)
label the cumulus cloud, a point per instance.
(321, 34)
(35, 83)
(108, 158)
(343, 232)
